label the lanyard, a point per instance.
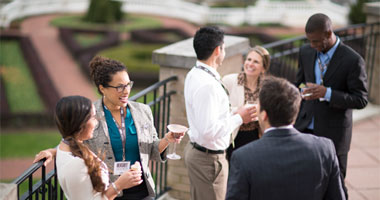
(213, 75)
(122, 129)
(322, 68)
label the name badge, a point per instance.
(120, 167)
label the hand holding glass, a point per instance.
(251, 103)
(178, 131)
(303, 94)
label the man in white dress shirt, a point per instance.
(210, 119)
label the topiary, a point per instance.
(104, 11)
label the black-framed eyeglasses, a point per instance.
(121, 88)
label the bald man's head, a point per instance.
(318, 23)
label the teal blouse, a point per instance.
(132, 153)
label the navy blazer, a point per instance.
(346, 75)
(285, 164)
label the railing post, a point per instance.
(176, 60)
(373, 50)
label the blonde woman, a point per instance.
(244, 87)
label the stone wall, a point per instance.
(176, 60)
(373, 51)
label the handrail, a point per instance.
(152, 88)
(29, 171)
(284, 53)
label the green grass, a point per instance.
(136, 57)
(287, 36)
(88, 39)
(25, 144)
(18, 81)
(230, 4)
(149, 97)
(131, 22)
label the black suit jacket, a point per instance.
(348, 81)
(285, 164)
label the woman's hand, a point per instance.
(130, 178)
(174, 137)
(49, 154)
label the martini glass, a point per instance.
(177, 131)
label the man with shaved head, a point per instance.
(336, 82)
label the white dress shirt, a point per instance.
(207, 107)
(280, 127)
(74, 179)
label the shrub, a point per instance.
(104, 11)
(356, 15)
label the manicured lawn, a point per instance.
(149, 97)
(24, 144)
(21, 91)
(88, 39)
(131, 22)
(136, 57)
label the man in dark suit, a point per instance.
(284, 163)
(336, 83)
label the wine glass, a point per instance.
(303, 94)
(177, 131)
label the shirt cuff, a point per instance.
(237, 119)
(328, 94)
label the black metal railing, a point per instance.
(45, 188)
(284, 53)
(48, 187)
(160, 105)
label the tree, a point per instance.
(356, 15)
(104, 11)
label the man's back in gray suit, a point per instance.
(284, 164)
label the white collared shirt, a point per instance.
(207, 107)
(280, 127)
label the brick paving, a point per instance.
(61, 67)
(363, 173)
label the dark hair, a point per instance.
(102, 69)
(71, 116)
(280, 99)
(318, 23)
(206, 39)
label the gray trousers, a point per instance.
(208, 174)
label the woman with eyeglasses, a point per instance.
(126, 132)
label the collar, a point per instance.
(331, 52)
(199, 63)
(280, 127)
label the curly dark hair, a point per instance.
(102, 69)
(206, 39)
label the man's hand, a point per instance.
(316, 91)
(247, 113)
